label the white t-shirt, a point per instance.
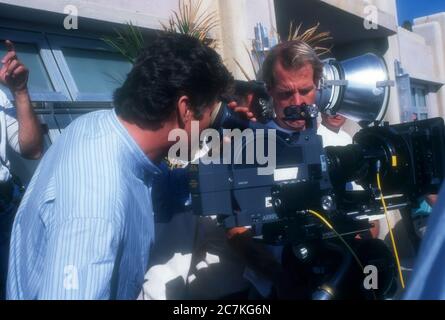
(333, 139)
(9, 133)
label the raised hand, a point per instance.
(244, 109)
(13, 72)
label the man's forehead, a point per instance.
(296, 77)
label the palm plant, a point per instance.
(188, 20)
(128, 41)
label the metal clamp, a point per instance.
(386, 83)
(330, 83)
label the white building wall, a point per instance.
(432, 29)
(416, 56)
(238, 19)
(262, 11)
(234, 35)
(439, 18)
(147, 13)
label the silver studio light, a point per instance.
(357, 88)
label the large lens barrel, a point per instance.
(411, 157)
(351, 163)
(358, 162)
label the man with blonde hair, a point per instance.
(291, 72)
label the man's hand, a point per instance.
(13, 73)
(245, 109)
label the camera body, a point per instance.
(242, 197)
(410, 159)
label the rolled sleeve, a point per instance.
(12, 125)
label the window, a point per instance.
(45, 81)
(64, 68)
(91, 70)
(419, 97)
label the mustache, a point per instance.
(297, 112)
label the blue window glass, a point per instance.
(96, 70)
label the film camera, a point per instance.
(409, 160)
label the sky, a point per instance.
(410, 9)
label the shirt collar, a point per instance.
(142, 161)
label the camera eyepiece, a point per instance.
(301, 112)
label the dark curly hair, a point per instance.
(172, 66)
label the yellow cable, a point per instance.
(326, 222)
(396, 254)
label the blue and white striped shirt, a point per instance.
(85, 225)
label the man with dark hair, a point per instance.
(85, 226)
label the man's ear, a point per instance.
(184, 112)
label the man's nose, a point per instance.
(298, 99)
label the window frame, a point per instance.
(420, 109)
(57, 42)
